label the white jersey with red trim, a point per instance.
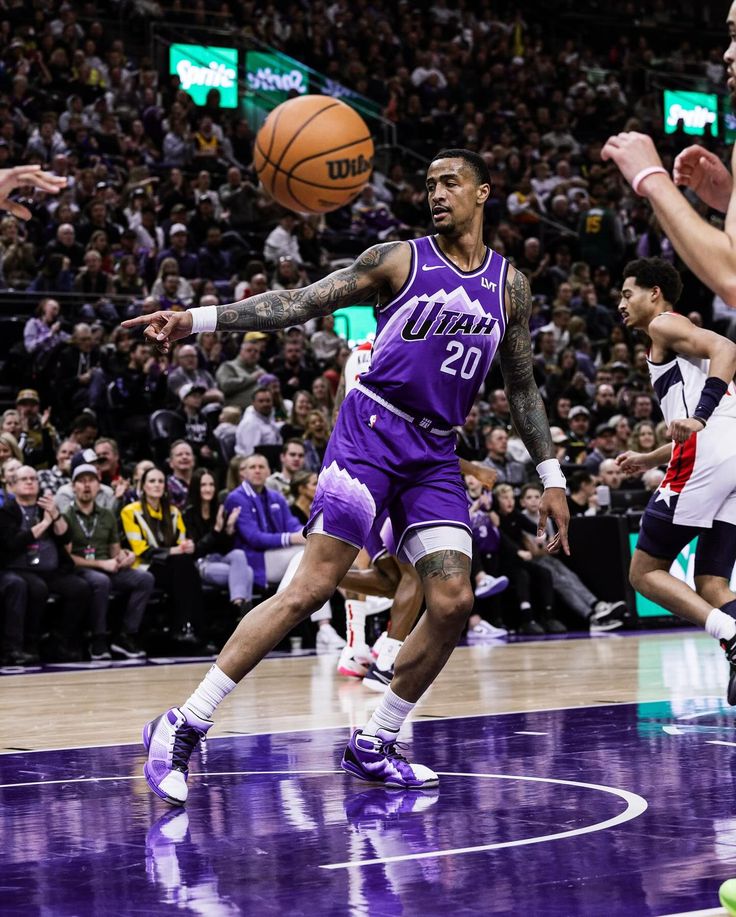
(678, 384)
(358, 362)
(700, 484)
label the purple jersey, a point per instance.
(437, 338)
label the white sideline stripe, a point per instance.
(719, 742)
(635, 806)
(525, 732)
(419, 718)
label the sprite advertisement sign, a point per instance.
(204, 67)
(695, 113)
(274, 76)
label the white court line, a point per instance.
(635, 806)
(719, 742)
(420, 718)
(525, 732)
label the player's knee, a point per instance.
(713, 589)
(454, 608)
(303, 597)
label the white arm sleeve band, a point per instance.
(551, 474)
(204, 318)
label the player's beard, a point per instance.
(446, 228)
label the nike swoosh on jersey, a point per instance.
(431, 267)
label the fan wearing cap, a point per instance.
(102, 563)
(64, 496)
(196, 429)
(604, 447)
(578, 423)
(38, 438)
(179, 250)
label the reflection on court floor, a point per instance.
(619, 810)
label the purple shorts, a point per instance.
(380, 539)
(376, 461)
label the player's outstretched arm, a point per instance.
(527, 407)
(710, 253)
(378, 269)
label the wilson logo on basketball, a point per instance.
(348, 168)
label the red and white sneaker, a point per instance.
(354, 660)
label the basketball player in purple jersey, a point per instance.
(447, 303)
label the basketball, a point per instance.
(314, 154)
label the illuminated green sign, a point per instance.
(682, 568)
(695, 113)
(275, 76)
(201, 68)
(355, 323)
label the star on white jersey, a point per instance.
(665, 494)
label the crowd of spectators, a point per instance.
(162, 210)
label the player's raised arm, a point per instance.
(710, 253)
(527, 407)
(379, 269)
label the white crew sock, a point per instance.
(720, 625)
(355, 611)
(214, 688)
(389, 715)
(389, 651)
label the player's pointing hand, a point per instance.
(163, 327)
(554, 506)
(20, 176)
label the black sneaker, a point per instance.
(125, 645)
(16, 657)
(607, 616)
(553, 626)
(729, 648)
(98, 648)
(378, 679)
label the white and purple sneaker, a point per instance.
(170, 740)
(375, 758)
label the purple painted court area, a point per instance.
(81, 833)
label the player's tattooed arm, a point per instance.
(527, 407)
(363, 281)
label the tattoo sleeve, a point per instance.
(360, 282)
(525, 402)
(443, 565)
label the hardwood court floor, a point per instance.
(578, 778)
(108, 706)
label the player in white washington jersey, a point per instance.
(692, 375)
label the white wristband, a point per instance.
(551, 474)
(204, 318)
